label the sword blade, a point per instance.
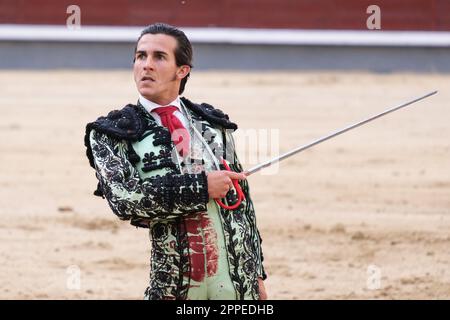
(332, 135)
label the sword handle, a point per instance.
(238, 189)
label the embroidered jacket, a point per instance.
(137, 172)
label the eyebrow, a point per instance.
(155, 52)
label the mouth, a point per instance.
(147, 78)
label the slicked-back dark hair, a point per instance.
(183, 51)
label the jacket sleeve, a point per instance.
(155, 198)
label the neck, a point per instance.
(162, 101)
(154, 103)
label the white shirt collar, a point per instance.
(150, 105)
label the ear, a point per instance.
(183, 71)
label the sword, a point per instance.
(332, 135)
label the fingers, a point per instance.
(223, 195)
(226, 187)
(220, 182)
(230, 176)
(262, 290)
(235, 175)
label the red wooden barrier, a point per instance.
(296, 14)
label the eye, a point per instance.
(140, 56)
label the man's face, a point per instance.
(156, 73)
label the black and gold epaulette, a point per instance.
(127, 123)
(210, 114)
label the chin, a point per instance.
(147, 93)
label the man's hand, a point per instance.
(262, 289)
(219, 182)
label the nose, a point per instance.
(148, 64)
